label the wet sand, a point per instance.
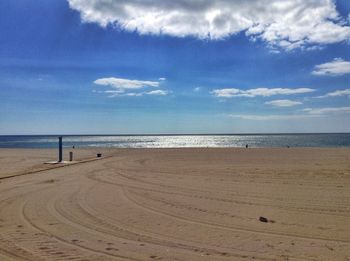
(176, 204)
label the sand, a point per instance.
(176, 204)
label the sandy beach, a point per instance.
(176, 204)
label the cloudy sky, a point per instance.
(164, 66)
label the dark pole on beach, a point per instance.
(60, 149)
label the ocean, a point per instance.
(179, 141)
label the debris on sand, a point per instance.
(263, 219)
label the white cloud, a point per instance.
(271, 117)
(336, 93)
(130, 94)
(336, 67)
(286, 24)
(329, 110)
(197, 89)
(162, 79)
(123, 84)
(226, 93)
(283, 103)
(158, 92)
(265, 92)
(127, 87)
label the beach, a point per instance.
(176, 204)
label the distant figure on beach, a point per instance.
(246, 146)
(73, 147)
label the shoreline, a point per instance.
(19, 160)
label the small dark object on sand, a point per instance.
(99, 155)
(246, 146)
(263, 219)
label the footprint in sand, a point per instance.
(112, 248)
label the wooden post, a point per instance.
(60, 151)
(71, 156)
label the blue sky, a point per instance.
(112, 67)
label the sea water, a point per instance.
(179, 141)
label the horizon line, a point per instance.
(182, 134)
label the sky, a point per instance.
(180, 67)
